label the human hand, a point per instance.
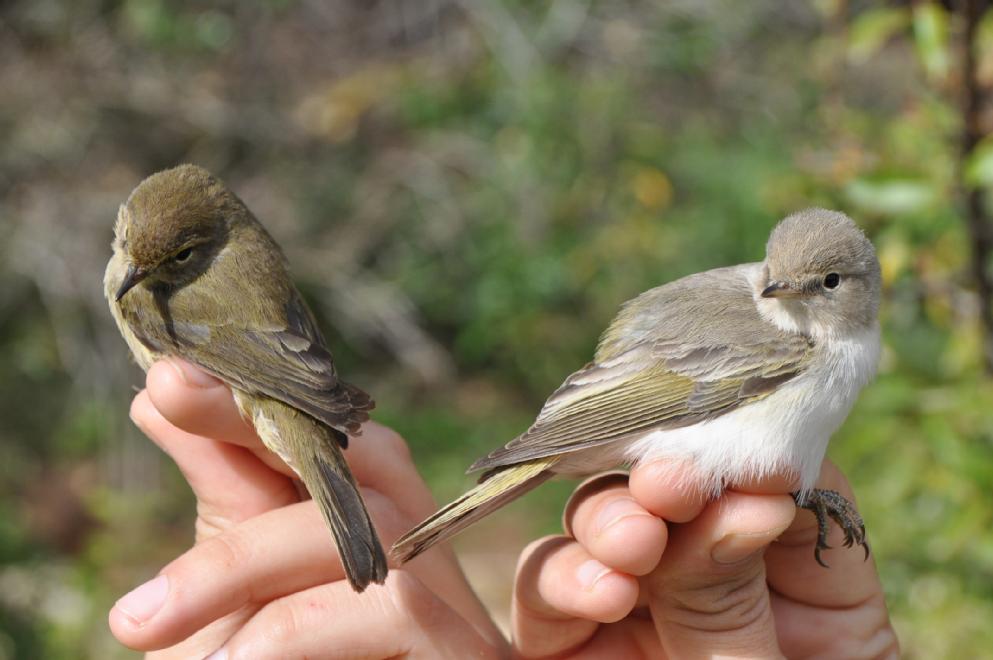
(736, 578)
(263, 579)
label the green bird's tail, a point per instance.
(499, 488)
(312, 449)
(337, 496)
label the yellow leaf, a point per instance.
(652, 188)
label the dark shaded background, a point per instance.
(467, 191)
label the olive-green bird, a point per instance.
(195, 275)
(735, 373)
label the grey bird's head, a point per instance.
(821, 271)
(172, 226)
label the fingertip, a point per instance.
(618, 531)
(129, 617)
(189, 374)
(665, 488)
(604, 594)
(747, 523)
(142, 411)
(558, 579)
(121, 628)
(633, 545)
(200, 409)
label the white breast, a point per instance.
(785, 433)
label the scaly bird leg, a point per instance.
(829, 505)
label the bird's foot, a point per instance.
(828, 505)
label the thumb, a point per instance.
(708, 597)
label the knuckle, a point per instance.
(283, 624)
(731, 605)
(224, 554)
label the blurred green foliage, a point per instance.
(467, 192)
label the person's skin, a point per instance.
(263, 580)
(737, 580)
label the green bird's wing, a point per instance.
(285, 360)
(676, 355)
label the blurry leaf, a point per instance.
(891, 196)
(872, 29)
(979, 165)
(931, 38)
(984, 49)
(652, 188)
(894, 256)
(213, 29)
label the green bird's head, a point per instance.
(173, 225)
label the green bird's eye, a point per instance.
(832, 281)
(183, 255)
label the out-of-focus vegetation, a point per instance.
(467, 192)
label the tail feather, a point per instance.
(503, 486)
(338, 498)
(359, 405)
(312, 449)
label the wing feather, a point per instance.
(669, 368)
(287, 361)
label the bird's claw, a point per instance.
(828, 505)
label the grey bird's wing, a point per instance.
(286, 360)
(678, 354)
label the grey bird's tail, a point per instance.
(497, 489)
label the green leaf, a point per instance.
(931, 39)
(979, 165)
(891, 195)
(872, 29)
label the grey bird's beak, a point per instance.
(780, 290)
(132, 277)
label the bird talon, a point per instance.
(828, 505)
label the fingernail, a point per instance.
(141, 604)
(193, 376)
(590, 572)
(737, 547)
(219, 654)
(617, 511)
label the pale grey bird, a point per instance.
(195, 275)
(737, 373)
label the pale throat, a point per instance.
(787, 314)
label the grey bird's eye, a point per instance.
(183, 255)
(832, 281)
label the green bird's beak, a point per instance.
(131, 278)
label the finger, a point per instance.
(709, 596)
(399, 619)
(560, 595)
(848, 595)
(666, 489)
(613, 528)
(266, 557)
(197, 403)
(230, 483)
